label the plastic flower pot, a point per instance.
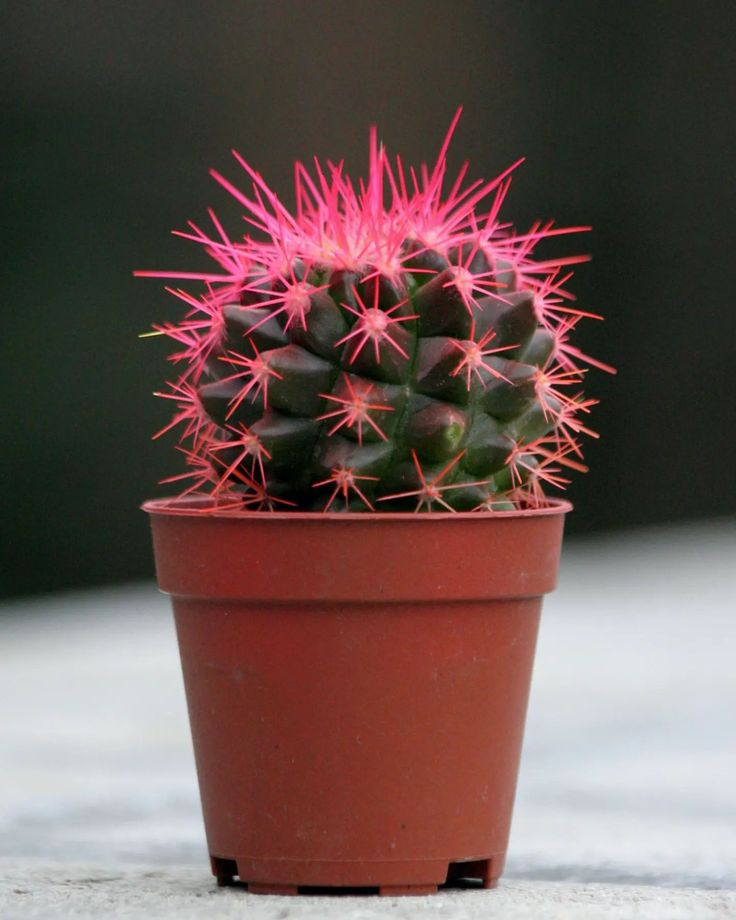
(357, 687)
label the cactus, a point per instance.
(388, 347)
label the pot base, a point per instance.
(388, 879)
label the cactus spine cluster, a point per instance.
(387, 347)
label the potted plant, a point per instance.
(377, 388)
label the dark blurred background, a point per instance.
(112, 114)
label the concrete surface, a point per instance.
(626, 804)
(187, 894)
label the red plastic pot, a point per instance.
(357, 687)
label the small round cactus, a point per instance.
(390, 346)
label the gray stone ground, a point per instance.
(187, 894)
(626, 804)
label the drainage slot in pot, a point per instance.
(483, 871)
(224, 870)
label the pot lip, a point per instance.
(199, 508)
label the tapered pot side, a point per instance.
(357, 686)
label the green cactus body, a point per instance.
(378, 401)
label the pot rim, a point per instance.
(199, 507)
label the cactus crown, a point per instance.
(388, 346)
